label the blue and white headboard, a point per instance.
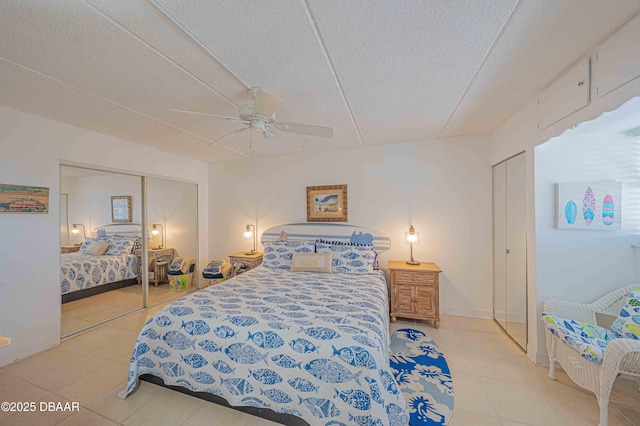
(123, 229)
(327, 231)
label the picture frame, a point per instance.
(596, 206)
(24, 199)
(121, 209)
(327, 203)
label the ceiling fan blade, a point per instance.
(304, 129)
(265, 103)
(222, 137)
(208, 115)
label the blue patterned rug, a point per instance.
(423, 375)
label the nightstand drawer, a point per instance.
(410, 277)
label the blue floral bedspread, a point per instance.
(308, 344)
(79, 271)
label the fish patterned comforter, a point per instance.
(308, 344)
(79, 271)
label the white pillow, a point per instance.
(96, 248)
(311, 262)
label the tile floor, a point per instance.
(495, 384)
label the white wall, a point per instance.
(442, 187)
(31, 149)
(520, 133)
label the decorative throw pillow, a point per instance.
(628, 322)
(137, 245)
(119, 246)
(354, 244)
(278, 254)
(348, 258)
(311, 262)
(97, 248)
(87, 242)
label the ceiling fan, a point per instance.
(260, 116)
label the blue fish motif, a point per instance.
(364, 340)
(278, 325)
(243, 353)
(161, 352)
(252, 401)
(303, 346)
(375, 392)
(356, 356)
(196, 327)
(322, 333)
(224, 332)
(233, 300)
(206, 308)
(364, 304)
(141, 349)
(209, 346)
(320, 407)
(330, 371)
(269, 317)
(388, 382)
(344, 308)
(243, 321)
(223, 367)
(203, 377)
(276, 395)
(356, 398)
(151, 334)
(291, 307)
(185, 383)
(203, 302)
(181, 311)
(356, 263)
(261, 309)
(266, 376)
(295, 314)
(277, 299)
(334, 320)
(285, 361)
(292, 411)
(177, 340)
(365, 420)
(282, 250)
(375, 328)
(237, 386)
(397, 416)
(254, 303)
(302, 385)
(266, 339)
(229, 306)
(303, 322)
(146, 362)
(209, 315)
(349, 255)
(172, 369)
(194, 360)
(299, 296)
(365, 317)
(321, 311)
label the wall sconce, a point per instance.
(411, 237)
(155, 231)
(75, 230)
(250, 231)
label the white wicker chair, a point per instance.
(622, 356)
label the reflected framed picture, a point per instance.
(327, 203)
(121, 209)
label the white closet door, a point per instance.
(516, 259)
(500, 244)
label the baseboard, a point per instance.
(467, 312)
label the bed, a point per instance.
(83, 274)
(307, 347)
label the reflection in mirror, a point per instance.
(98, 275)
(173, 246)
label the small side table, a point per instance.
(69, 249)
(250, 261)
(162, 259)
(415, 291)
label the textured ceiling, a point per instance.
(376, 72)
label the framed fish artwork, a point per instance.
(589, 205)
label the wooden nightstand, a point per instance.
(162, 258)
(69, 249)
(250, 261)
(414, 291)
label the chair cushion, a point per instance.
(628, 322)
(589, 340)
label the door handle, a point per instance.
(508, 251)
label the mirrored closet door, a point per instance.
(98, 271)
(510, 248)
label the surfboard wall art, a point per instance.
(590, 205)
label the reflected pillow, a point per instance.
(96, 248)
(278, 254)
(119, 246)
(312, 262)
(349, 258)
(628, 322)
